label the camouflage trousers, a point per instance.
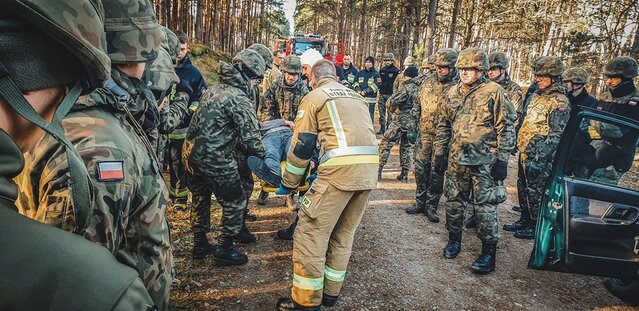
(229, 193)
(246, 177)
(394, 134)
(429, 184)
(382, 109)
(521, 185)
(465, 185)
(535, 183)
(178, 190)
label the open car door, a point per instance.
(588, 221)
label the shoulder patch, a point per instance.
(110, 170)
(340, 92)
(632, 103)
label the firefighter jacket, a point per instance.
(367, 82)
(337, 120)
(193, 77)
(387, 75)
(350, 74)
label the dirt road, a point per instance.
(396, 265)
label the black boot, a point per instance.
(287, 304)
(470, 222)
(431, 214)
(521, 224)
(328, 300)
(414, 209)
(527, 233)
(485, 263)
(245, 236)
(453, 247)
(403, 176)
(201, 246)
(263, 198)
(287, 234)
(248, 216)
(227, 255)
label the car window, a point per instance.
(606, 153)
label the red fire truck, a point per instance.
(299, 43)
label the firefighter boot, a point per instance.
(431, 214)
(485, 263)
(227, 255)
(201, 246)
(287, 304)
(245, 236)
(403, 176)
(453, 247)
(263, 198)
(414, 209)
(287, 234)
(328, 300)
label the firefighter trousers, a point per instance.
(323, 240)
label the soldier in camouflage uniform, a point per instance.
(222, 127)
(130, 194)
(283, 97)
(538, 139)
(426, 115)
(409, 62)
(51, 52)
(476, 125)
(171, 95)
(400, 106)
(271, 75)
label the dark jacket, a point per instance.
(388, 74)
(350, 74)
(367, 81)
(186, 71)
(583, 100)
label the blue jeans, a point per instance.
(276, 145)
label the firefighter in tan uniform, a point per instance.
(335, 119)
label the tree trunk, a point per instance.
(453, 24)
(430, 28)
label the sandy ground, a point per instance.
(397, 264)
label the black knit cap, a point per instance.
(371, 59)
(411, 71)
(33, 59)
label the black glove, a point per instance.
(184, 88)
(439, 165)
(499, 170)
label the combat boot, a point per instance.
(201, 246)
(403, 176)
(287, 234)
(470, 222)
(431, 214)
(527, 233)
(262, 199)
(245, 236)
(414, 209)
(485, 263)
(248, 216)
(328, 300)
(521, 224)
(287, 304)
(227, 255)
(453, 247)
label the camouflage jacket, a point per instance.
(476, 124)
(281, 101)
(173, 111)
(513, 93)
(403, 100)
(430, 102)
(223, 122)
(130, 195)
(270, 76)
(546, 117)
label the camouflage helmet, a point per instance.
(549, 66)
(133, 34)
(161, 73)
(389, 56)
(473, 58)
(425, 63)
(445, 57)
(77, 26)
(576, 75)
(498, 59)
(172, 44)
(250, 60)
(409, 61)
(265, 52)
(292, 64)
(622, 66)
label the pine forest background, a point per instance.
(583, 32)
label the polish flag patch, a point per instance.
(632, 103)
(110, 170)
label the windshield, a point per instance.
(301, 46)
